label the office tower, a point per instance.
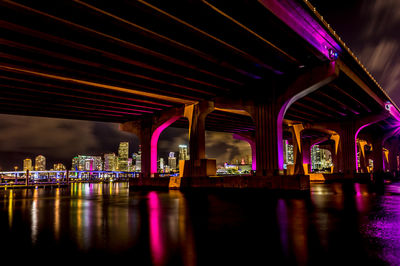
(130, 165)
(87, 163)
(59, 167)
(172, 161)
(110, 162)
(161, 164)
(27, 164)
(75, 164)
(40, 163)
(138, 163)
(183, 152)
(316, 158)
(123, 154)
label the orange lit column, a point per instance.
(297, 149)
(363, 160)
(196, 115)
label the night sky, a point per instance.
(369, 28)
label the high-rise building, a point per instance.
(183, 152)
(161, 164)
(59, 167)
(40, 163)
(130, 165)
(172, 161)
(75, 163)
(138, 163)
(87, 163)
(110, 162)
(123, 154)
(315, 158)
(27, 164)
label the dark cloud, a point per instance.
(370, 29)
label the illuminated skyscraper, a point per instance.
(138, 163)
(59, 167)
(183, 152)
(40, 163)
(130, 165)
(316, 158)
(87, 163)
(161, 164)
(110, 162)
(172, 161)
(75, 163)
(27, 164)
(123, 154)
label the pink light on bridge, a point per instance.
(304, 24)
(154, 142)
(253, 149)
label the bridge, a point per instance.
(52, 177)
(265, 71)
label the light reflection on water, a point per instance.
(334, 222)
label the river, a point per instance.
(106, 223)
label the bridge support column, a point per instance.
(297, 149)
(363, 159)
(266, 121)
(198, 165)
(148, 131)
(348, 137)
(306, 154)
(377, 155)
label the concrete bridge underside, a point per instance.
(263, 70)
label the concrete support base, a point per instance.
(199, 168)
(295, 183)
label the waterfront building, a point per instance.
(321, 158)
(288, 153)
(87, 163)
(110, 162)
(138, 163)
(183, 152)
(40, 163)
(130, 165)
(172, 161)
(59, 167)
(161, 164)
(123, 154)
(27, 164)
(75, 164)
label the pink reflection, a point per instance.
(156, 246)
(154, 142)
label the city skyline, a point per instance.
(49, 136)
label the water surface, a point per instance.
(106, 223)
